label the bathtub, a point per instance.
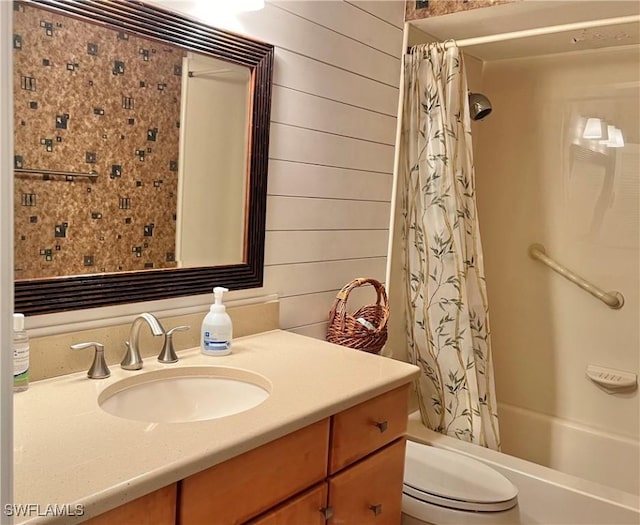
(604, 457)
(545, 496)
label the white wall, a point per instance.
(335, 95)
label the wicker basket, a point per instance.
(368, 334)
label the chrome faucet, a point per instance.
(132, 359)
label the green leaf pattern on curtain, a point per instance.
(447, 313)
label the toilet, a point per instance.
(446, 488)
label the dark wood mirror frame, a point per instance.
(42, 296)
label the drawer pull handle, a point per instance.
(327, 513)
(376, 509)
(382, 425)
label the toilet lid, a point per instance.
(435, 475)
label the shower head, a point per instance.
(479, 106)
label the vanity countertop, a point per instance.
(68, 451)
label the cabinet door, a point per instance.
(249, 484)
(368, 426)
(157, 508)
(307, 509)
(370, 492)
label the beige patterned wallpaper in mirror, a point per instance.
(423, 9)
(91, 99)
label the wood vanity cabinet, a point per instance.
(366, 461)
(245, 486)
(342, 470)
(309, 508)
(371, 490)
(346, 469)
(156, 508)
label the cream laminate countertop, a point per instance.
(69, 451)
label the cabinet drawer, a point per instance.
(305, 509)
(364, 428)
(370, 492)
(157, 508)
(245, 486)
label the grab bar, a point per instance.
(69, 175)
(612, 299)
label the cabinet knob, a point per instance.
(382, 425)
(376, 509)
(327, 513)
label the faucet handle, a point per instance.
(132, 359)
(168, 354)
(99, 368)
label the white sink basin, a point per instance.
(185, 394)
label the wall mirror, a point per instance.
(141, 151)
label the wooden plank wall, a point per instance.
(333, 122)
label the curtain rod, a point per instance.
(540, 31)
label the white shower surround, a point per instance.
(537, 175)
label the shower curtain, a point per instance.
(446, 301)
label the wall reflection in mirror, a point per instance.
(127, 151)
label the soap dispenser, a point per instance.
(216, 327)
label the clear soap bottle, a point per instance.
(217, 329)
(20, 354)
